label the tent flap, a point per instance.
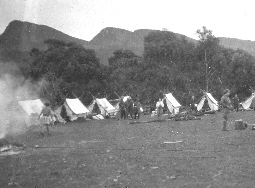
(213, 104)
(247, 103)
(201, 103)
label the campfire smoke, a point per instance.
(14, 87)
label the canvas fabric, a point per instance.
(32, 106)
(172, 104)
(104, 105)
(247, 103)
(213, 104)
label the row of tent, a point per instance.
(214, 106)
(75, 108)
(173, 105)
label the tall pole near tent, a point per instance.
(206, 73)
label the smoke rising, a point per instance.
(14, 87)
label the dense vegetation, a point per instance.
(169, 64)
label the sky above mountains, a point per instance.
(85, 18)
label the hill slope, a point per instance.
(246, 45)
(111, 39)
(23, 36)
(20, 37)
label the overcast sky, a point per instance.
(85, 18)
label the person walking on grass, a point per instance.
(46, 118)
(226, 104)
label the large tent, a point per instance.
(172, 104)
(102, 106)
(213, 104)
(74, 109)
(249, 102)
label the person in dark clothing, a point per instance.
(129, 108)
(122, 109)
(63, 114)
(137, 109)
(236, 103)
(226, 104)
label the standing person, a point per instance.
(137, 108)
(46, 118)
(129, 107)
(192, 104)
(122, 109)
(226, 104)
(236, 103)
(159, 107)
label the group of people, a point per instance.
(129, 107)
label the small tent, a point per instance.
(74, 109)
(172, 104)
(102, 106)
(213, 104)
(249, 102)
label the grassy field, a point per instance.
(111, 153)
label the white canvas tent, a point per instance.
(32, 106)
(213, 104)
(101, 106)
(32, 109)
(248, 102)
(74, 109)
(172, 104)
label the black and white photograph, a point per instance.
(127, 94)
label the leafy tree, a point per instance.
(209, 56)
(125, 71)
(67, 68)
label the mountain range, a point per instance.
(20, 37)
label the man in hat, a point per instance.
(226, 104)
